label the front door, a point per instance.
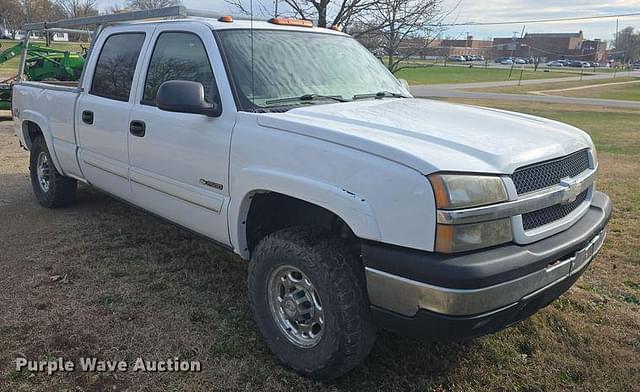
(180, 161)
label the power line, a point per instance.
(595, 17)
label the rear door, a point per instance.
(104, 106)
(180, 161)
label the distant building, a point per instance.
(39, 36)
(458, 47)
(60, 37)
(551, 46)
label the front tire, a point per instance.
(50, 187)
(308, 296)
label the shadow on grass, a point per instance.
(169, 268)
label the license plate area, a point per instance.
(583, 256)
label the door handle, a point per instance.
(137, 128)
(87, 117)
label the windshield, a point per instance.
(301, 68)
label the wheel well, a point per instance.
(271, 211)
(31, 132)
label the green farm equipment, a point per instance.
(42, 63)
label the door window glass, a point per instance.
(116, 66)
(178, 56)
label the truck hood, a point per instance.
(431, 136)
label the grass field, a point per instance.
(454, 74)
(103, 279)
(626, 92)
(12, 65)
(608, 90)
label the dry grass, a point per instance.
(529, 88)
(136, 286)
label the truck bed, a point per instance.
(52, 105)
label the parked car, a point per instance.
(499, 60)
(636, 65)
(507, 62)
(520, 61)
(357, 206)
(555, 64)
(457, 58)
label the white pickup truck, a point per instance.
(358, 206)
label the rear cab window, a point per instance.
(116, 65)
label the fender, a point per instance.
(353, 209)
(43, 124)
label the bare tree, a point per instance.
(404, 28)
(627, 45)
(11, 16)
(78, 8)
(39, 10)
(151, 4)
(116, 8)
(325, 12)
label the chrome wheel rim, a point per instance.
(295, 306)
(44, 171)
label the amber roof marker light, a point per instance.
(226, 19)
(291, 22)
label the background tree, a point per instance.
(151, 4)
(39, 10)
(627, 44)
(403, 28)
(324, 12)
(78, 8)
(11, 16)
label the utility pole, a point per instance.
(615, 71)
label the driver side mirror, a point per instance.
(184, 96)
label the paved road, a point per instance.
(458, 91)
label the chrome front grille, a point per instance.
(551, 214)
(541, 175)
(547, 174)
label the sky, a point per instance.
(509, 10)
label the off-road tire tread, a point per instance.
(62, 190)
(330, 257)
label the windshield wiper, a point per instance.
(307, 97)
(379, 95)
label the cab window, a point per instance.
(116, 66)
(178, 56)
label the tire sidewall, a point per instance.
(44, 198)
(311, 265)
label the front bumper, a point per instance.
(459, 296)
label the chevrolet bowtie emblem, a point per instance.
(571, 191)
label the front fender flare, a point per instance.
(353, 209)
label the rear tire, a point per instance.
(308, 296)
(50, 187)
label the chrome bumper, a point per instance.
(407, 297)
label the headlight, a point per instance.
(455, 191)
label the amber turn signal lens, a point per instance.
(462, 238)
(291, 22)
(440, 191)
